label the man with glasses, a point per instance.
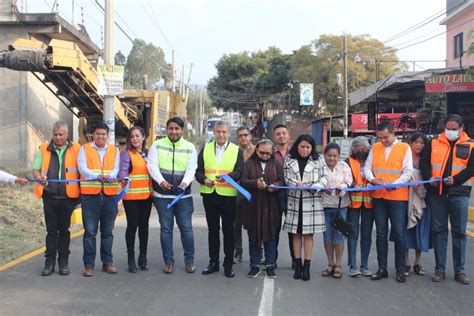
(244, 138)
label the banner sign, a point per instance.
(360, 122)
(110, 79)
(306, 94)
(450, 83)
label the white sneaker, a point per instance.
(366, 272)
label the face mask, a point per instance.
(361, 155)
(451, 135)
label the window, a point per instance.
(458, 45)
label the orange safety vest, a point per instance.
(140, 181)
(70, 167)
(94, 165)
(359, 198)
(389, 169)
(440, 149)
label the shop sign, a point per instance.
(450, 83)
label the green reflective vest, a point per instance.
(213, 169)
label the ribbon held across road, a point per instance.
(116, 199)
(369, 188)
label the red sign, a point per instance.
(401, 122)
(450, 83)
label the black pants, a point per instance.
(138, 215)
(57, 215)
(217, 207)
(290, 242)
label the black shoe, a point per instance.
(380, 274)
(132, 267)
(401, 276)
(63, 266)
(211, 268)
(407, 269)
(271, 272)
(293, 263)
(48, 268)
(438, 276)
(418, 269)
(254, 272)
(63, 269)
(142, 261)
(305, 274)
(229, 272)
(298, 268)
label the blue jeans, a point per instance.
(456, 208)
(366, 225)
(396, 211)
(332, 236)
(183, 212)
(98, 209)
(255, 253)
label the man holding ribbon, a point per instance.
(449, 157)
(215, 159)
(389, 162)
(172, 163)
(57, 160)
(98, 163)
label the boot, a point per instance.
(63, 266)
(305, 275)
(132, 267)
(142, 262)
(48, 266)
(298, 266)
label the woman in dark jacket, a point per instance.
(261, 217)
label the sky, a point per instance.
(202, 31)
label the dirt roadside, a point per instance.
(22, 227)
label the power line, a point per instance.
(425, 22)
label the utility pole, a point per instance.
(201, 112)
(109, 101)
(173, 72)
(189, 82)
(345, 89)
(72, 14)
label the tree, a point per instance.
(120, 59)
(145, 59)
(321, 61)
(246, 79)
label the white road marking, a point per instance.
(266, 303)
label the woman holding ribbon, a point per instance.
(305, 216)
(339, 176)
(419, 216)
(137, 201)
(261, 217)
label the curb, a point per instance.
(34, 253)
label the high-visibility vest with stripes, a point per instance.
(213, 169)
(389, 169)
(140, 181)
(440, 149)
(359, 198)
(173, 161)
(69, 168)
(94, 164)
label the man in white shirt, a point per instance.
(98, 160)
(215, 159)
(389, 162)
(6, 177)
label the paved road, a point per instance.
(25, 292)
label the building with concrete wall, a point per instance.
(459, 23)
(27, 108)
